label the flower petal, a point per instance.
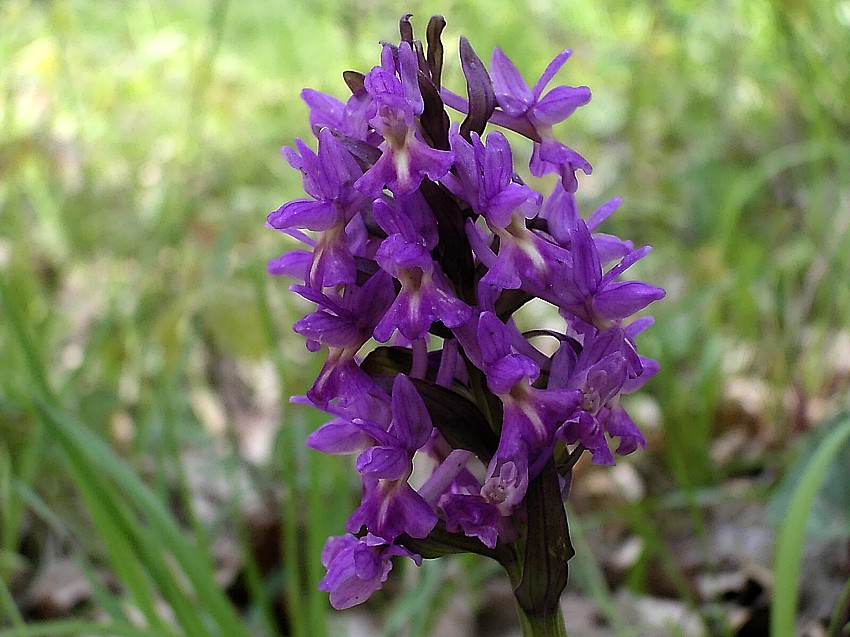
(339, 437)
(411, 422)
(619, 300)
(559, 103)
(550, 71)
(512, 92)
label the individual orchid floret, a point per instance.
(343, 324)
(597, 298)
(614, 418)
(560, 210)
(467, 511)
(409, 216)
(357, 567)
(530, 109)
(390, 506)
(617, 422)
(328, 179)
(455, 491)
(524, 260)
(426, 295)
(485, 178)
(599, 372)
(530, 415)
(405, 158)
(373, 404)
(472, 515)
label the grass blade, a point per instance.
(792, 531)
(76, 628)
(95, 454)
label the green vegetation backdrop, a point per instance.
(138, 159)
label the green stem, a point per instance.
(546, 625)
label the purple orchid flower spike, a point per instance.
(358, 567)
(532, 111)
(416, 232)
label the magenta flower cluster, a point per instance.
(421, 236)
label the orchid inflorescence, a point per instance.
(422, 235)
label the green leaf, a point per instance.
(458, 419)
(140, 533)
(830, 515)
(388, 361)
(547, 547)
(792, 530)
(441, 542)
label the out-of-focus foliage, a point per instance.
(138, 159)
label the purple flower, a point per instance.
(295, 263)
(560, 210)
(357, 567)
(340, 437)
(600, 372)
(328, 179)
(426, 295)
(408, 216)
(597, 298)
(374, 404)
(473, 515)
(530, 415)
(327, 111)
(485, 178)
(617, 423)
(396, 102)
(344, 325)
(614, 418)
(390, 506)
(524, 260)
(530, 109)
(456, 492)
(417, 229)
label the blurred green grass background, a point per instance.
(139, 157)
